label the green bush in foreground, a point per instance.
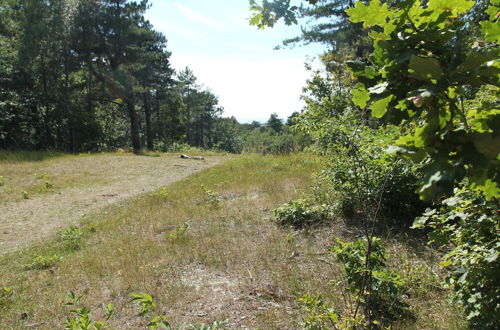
(378, 289)
(472, 225)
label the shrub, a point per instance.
(300, 212)
(72, 237)
(378, 289)
(360, 172)
(471, 224)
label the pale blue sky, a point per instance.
(235, 60)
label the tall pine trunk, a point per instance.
(134, 126)
(149, 129)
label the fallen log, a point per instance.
(183, 156)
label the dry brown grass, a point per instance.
(78, 185)
(231, 263)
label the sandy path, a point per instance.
(27, 221)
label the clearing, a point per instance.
(61, 191)
(206, 248)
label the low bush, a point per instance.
(301, 212)
(71, 237)
(362, 177)
(378, 289)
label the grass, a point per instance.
(24, 175)
(203, 260)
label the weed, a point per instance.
(2, 181)
(300, 212)
(5, 295)
(161, 193)
(149, 306)
(81, 317)
(48, 184)
(214, 198)
(42, 262)
(179, 231)
(72, 237)
(25, 194)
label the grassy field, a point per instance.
(206, 248)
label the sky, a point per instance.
(237, 62)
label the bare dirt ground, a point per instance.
(111, 178)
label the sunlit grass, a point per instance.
(201, 260)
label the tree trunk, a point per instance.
(134, 126)
(159, 133)
(149, 130)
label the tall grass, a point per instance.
(28, 156)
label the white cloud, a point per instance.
(194, 16)
(250, 89)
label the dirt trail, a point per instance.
(25, 222)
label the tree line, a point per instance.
(95, 75)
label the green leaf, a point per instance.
(360, 97)
(456, 7)
(474, 60)
(491, 31)
(379, 107)
(357, 67)
(489, 188)
(427, 68)
(256, 20)
(373, 14)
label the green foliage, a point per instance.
(300, 213)
(148, 306)
(322, 316)
(361, 171)
(161, 193)
(378, 289)
(81, 317)
(419, 73)
(268, 141)
(5, 294)
(43, 262)
(179, 232)
(2, 181)
(471, 224)
(71, 237)
(213, 197)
